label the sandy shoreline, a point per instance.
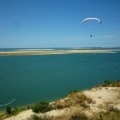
(48, 52)
(103, 98)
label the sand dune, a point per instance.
(103, 98)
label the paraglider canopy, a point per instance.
(87, 19)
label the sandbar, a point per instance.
(48, 52)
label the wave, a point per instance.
(8, 103)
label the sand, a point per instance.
(103, 99)
(48, 52)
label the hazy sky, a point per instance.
(57, 23)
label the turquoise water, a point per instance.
(28, 79)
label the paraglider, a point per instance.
(90, 35)
(87, 19)
(92, 18)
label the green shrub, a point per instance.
(34, 117)
(28, 107)
(100, 117)
(73, 91)
(41, 106)
(8, 110)
(106, 82)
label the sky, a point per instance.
(57, 23)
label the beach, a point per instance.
(48, 52)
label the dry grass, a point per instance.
(80, 115)
(107, 83)
(75, 115)
(73, 99)
(36, 117)
(106, 116)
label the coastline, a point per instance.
(91, 103)
(51, 52)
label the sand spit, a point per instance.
(47, 52)
(97, 100)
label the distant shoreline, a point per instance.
(49, 52)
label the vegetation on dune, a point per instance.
(108, 83)
(36, 117)
(73, 99)
(10, 111)
(41, 106)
